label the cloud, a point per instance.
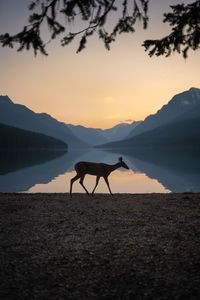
(127, 121)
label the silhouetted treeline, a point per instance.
(14, 138)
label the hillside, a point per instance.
(76, 136)
(179, 105)
(96, 136)
(14, 138)
(119, 131)
(184, 133)
(175, 124)
(22, 117)
(91, 136)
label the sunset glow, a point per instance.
(95, 88)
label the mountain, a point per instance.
(20, 116)
(97, 136)
(15, 138)
(89, 135)
(182, 130)
(74, 135)
(178, 105)
(184, 133)
(120, 131)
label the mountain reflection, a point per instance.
(21, 170)
(176, 170)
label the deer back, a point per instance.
(98, 169)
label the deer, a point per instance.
(99, 170)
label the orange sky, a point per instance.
(96, 88)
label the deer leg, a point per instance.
(97, 181)
(81, 183)
(106, 180)
(72, 181)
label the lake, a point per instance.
(151, 171)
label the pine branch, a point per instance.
(185, 34)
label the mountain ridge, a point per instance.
(178, 105)
(167, 135)
(183, 106)
(96, 136)
(182, 130)
(20, 116)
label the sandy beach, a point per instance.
(125, 246)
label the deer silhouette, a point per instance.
(97, 169)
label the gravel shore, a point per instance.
(125, 246)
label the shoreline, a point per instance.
(125, 246)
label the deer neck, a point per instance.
(115, 166)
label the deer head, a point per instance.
(123, 164)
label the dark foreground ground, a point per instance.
(120, 247)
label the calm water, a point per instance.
(150, 171)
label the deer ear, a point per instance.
(120, 158)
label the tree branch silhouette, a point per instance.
(94, 12)
(184, 20)
(185, 34)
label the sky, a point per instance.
(95, 88)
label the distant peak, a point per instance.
(188, 97)
(194, 89)
(5, 99)
(195, 92)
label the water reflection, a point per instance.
(151, 171)
(177, 169)
(21, 170)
